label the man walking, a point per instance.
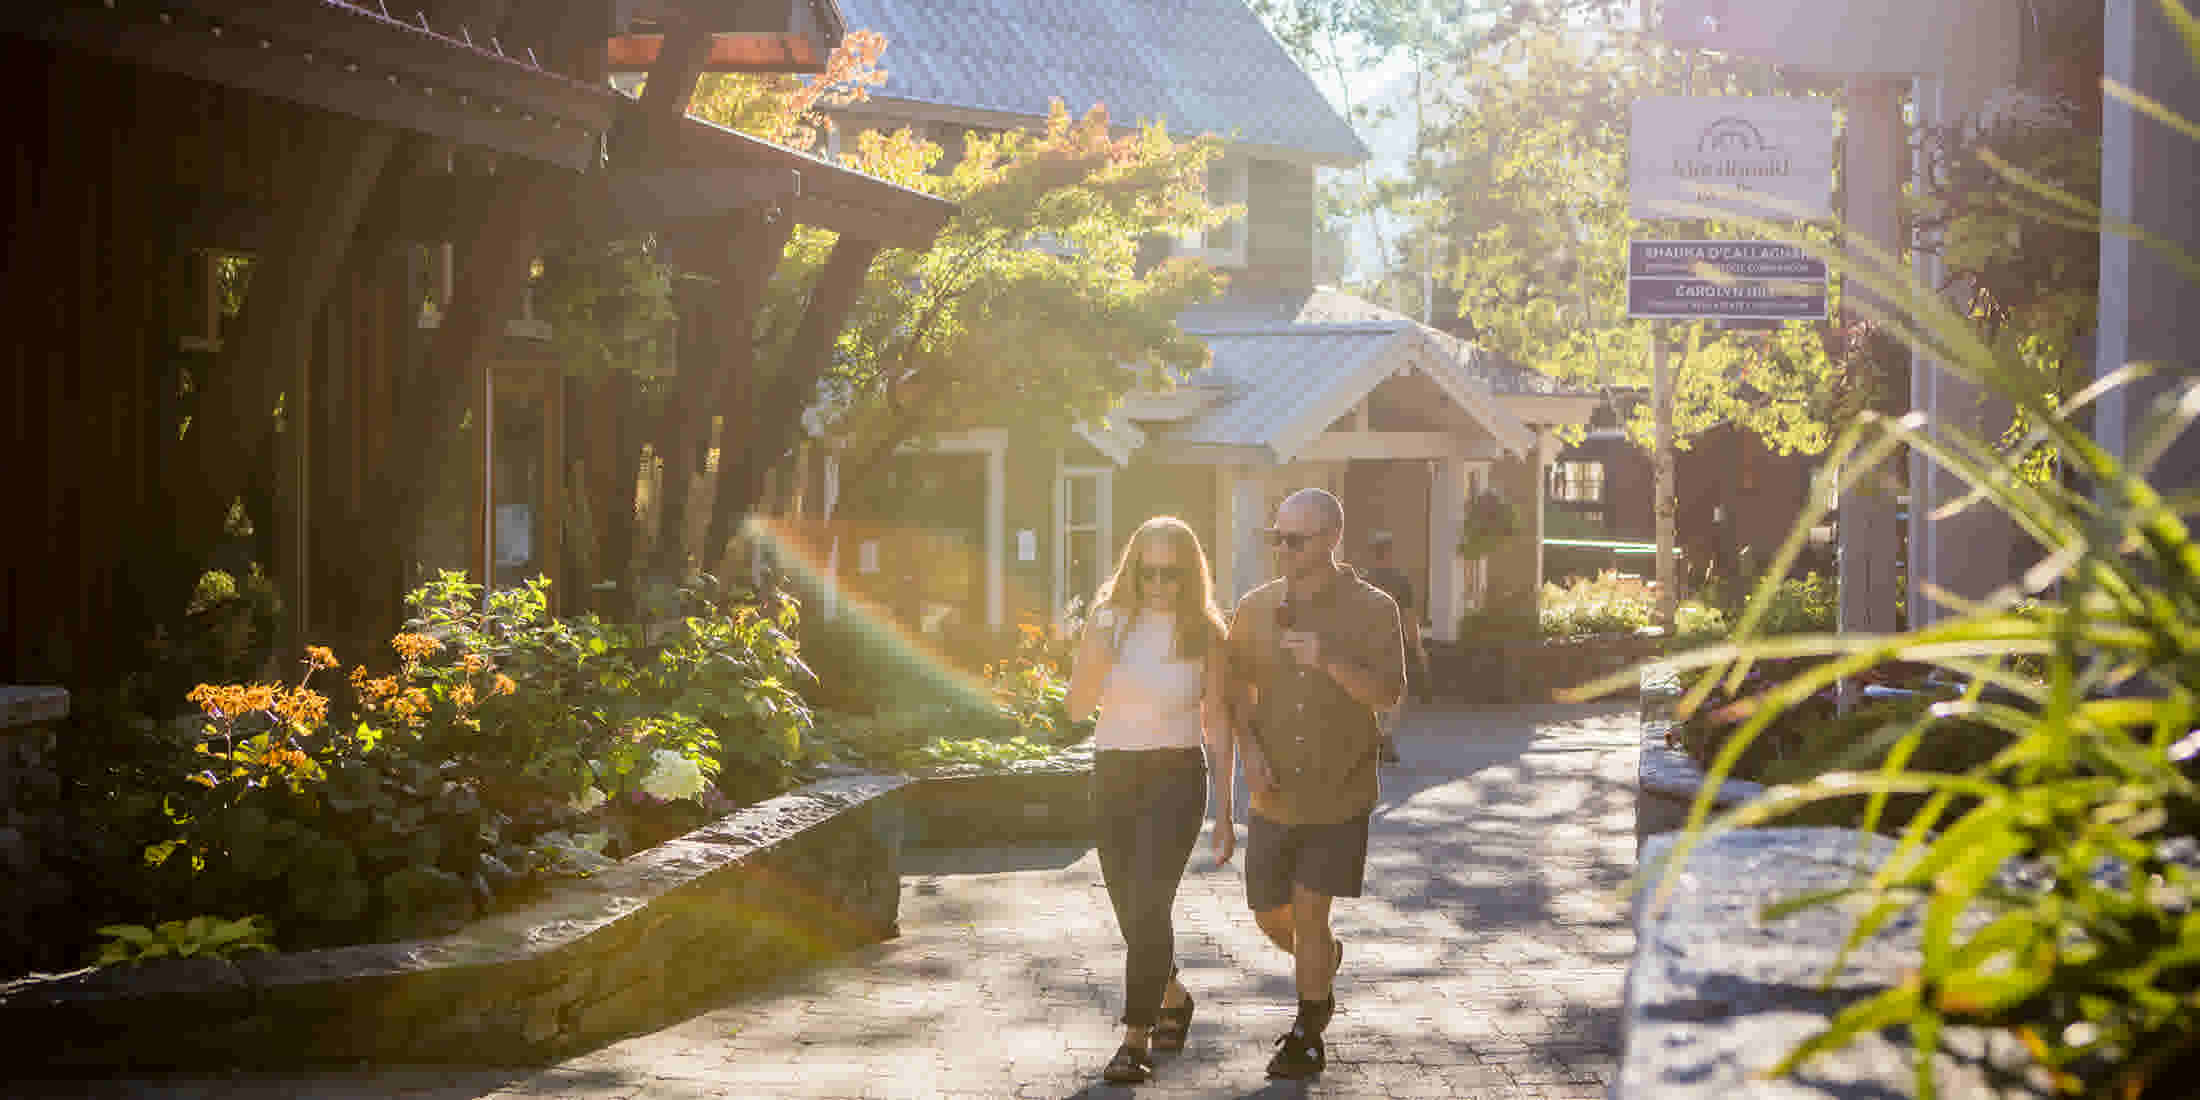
(1317, 654)
(1384, 574)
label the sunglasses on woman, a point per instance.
(1154, 574)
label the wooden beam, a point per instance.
(736, 256)
(774, 420)
(670, 86)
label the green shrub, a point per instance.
(199, 937)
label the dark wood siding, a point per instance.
(1279, 212)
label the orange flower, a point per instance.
(303, 705)
(474, 662)
(319, 656)
(463, 696)
(503, 685)
(377, 689)
(414, 647)
(260, 697)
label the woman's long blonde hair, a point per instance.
(1198, 621)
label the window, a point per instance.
(1578, 482)
(1081, 508)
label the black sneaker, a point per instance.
(1297, 1056)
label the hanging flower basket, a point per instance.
(1490, 520)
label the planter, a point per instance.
(1668, 780)
(638, 946)
(1533, 670)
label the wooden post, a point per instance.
(763, 430)
(321, 198)
(1873, 164)
(493, 265)
(717, 369)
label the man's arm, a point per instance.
(1377, 680)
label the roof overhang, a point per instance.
(893, 110)
(1550, 408)
(343, 59)
(1181, 403)
(773, 36)
(698, 168)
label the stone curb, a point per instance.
(1667, 780)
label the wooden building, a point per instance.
(279, 254)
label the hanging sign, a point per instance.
(1765, 157)
(1715, 259)
(1758, 300)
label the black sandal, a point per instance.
(1130, 1066)
(1173, 1025)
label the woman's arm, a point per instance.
(1088, 674)
(1219, 730)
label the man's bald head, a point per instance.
(1318, 507)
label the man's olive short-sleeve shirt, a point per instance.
(1320, 742)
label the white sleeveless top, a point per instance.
(1151, 699)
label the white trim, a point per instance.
(1116, 438)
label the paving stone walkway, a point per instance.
(1486, 961)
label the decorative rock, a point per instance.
(31, 704)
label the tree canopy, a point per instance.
(1032, 307)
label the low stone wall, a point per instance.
(1042, 806)
(1716, 994)
(634, 947)
(1532, 670)
(32, 825)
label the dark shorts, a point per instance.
(1327, 859)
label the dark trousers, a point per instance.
(1147, 808)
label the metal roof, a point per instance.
(1284, 383)
(1198, 66)
(1325, 305)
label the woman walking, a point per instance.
(1152, 658)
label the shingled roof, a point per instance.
(1197, 66)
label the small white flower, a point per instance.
(672, 775)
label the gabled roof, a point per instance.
(1324, 305)
(1286, 383)
(1199, 66)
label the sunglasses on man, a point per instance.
(1290, 540)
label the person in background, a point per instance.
(1152, 658)
(1385, 574)
(1315, 655)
